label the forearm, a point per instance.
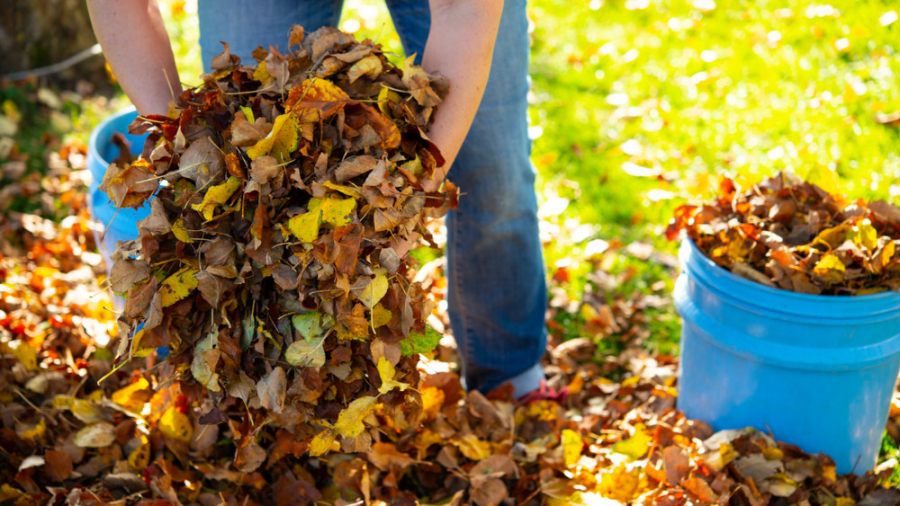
(136, 45)
(460, 46)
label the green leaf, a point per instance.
(306, 353)
(206, 356)
(420, 343)
(312, 324)
(249, 331)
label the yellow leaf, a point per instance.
(334, 210)
(180, 232)
(316, 99)
(62, 402)
(350, 421)
(216, 196)
(85, 411)
(865, 235)
(631, 381)
(824, 178)
(8, 492)
(281, 141)
(432, 401)
(305, 227)
(387, 95)
(844, 501)
(178, 286)
(380, 316)
(472, 447)
(140, 457)
(248, 112)
(572, 445)
(834, 236)
(176, 425)
(136, 349)
(36, 433)
(620, 483)
(321, 443)
(133, 397)
(375, 290)
(261, 75)
(345, 189)
(635, 446)
(830, 269)
(773, 453)
(25, 353)
(387, 372)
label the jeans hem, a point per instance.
(527, 381)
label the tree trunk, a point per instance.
(37, 33)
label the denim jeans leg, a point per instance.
(412, 20)
(496, 274)
(247, 24)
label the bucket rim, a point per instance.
(695, 255)
(94, 138)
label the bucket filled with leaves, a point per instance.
(791, 315)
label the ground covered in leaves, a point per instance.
(66, 438)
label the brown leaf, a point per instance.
(126, 273)
(58, 465)
(677, 465)
(129, 186)
(490, 493)
(352, 167)
(271, 389)
(246, 134)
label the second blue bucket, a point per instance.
(101, 152)
(817, 371)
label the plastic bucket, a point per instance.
(817, 371)
(101, 152)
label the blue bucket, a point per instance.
(101, 152)
(817, 371)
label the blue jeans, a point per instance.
(496, 276)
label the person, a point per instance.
(496, 275)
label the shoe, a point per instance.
(545, 393)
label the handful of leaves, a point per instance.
(274, 263)
(791, 234)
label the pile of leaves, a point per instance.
(791, 234)
(285, 196)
